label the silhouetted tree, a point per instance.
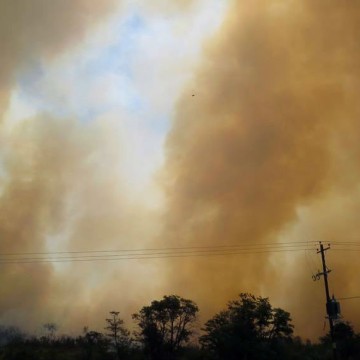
(347, 341)
(94, 343)
(119, 336)
(10, 334)
(50, 329)
(248, 329)
(165, 326)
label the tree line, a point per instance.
(249, 328)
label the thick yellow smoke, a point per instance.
(62, 184)
(37, 28)
(42, 159)
(266, 151)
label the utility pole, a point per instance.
(329, 302)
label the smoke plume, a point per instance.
(43, 160)
(267, 151)
(39, 28)
(63, 185)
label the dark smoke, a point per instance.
(266, 151)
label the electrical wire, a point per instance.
(347, 243)
(167, 252)
(349, 298)
(242, 246)
(344, 249)
(144, 255)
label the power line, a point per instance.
(163, 253)
(349, 298)
(243, 246)
(139, 256)
(347, 243)
(343, 249)
(166, 252)
(230, 246)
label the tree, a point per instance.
(248, 329)
(120, 337)
(347, 341)
(165, 326)
(10, 334)
(50, 329)
(93, 343)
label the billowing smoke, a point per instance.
(63, 185)
(46, 164)
(267, 150)
(38, 28)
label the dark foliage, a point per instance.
(118, 335)
(248, 329)
(347, 341)
(165, 326)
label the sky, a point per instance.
(205, 126)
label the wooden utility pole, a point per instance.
(329, 308)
